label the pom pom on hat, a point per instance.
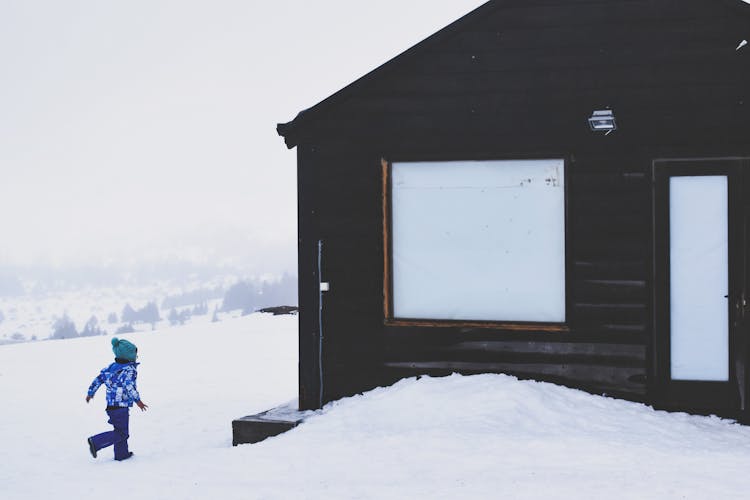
(124, 349)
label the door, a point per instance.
(698, 284)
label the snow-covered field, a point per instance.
(486, 436)
(59, 309)
(33, 315)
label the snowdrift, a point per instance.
(484, 436)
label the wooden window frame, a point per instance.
(390, 320)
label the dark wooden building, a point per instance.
(553, 189)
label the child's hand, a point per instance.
(141, 405)
(89, 398)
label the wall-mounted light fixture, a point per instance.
(603, 121)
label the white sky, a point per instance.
(147, 128)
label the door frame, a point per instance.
(697, 396)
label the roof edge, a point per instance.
(739, 6)
(287, 131)
(291, 131)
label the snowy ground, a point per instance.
(485, 436)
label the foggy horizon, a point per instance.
(35, 279)
(146, 131)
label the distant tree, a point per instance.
(278, 293)
(215, 317)
(200, 309)
(192, 297)
(125, 329)
(2, 317)
(33, 338)
(18, 337)
(242, 295)
(64, 328)
(149, 313)
(91, 328)
(173, 317)
(146, 314)
(112, 318)
(128, 314)
(179, 317)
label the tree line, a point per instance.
(249, 296)
(245, 295)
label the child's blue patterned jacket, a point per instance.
(119, 378)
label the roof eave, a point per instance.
(287, 131)
(291, 130)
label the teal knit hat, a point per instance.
(124, 349)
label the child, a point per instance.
(119, 377)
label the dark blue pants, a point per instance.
(119, 419)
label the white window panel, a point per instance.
(479, 240)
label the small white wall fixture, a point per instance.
(603, 121)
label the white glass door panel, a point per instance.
(699, 269)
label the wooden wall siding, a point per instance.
(608, 380)
(479, 81)
(307, 261)
(609, 288)
(611, 250)
(349, 188)
(668, 69)
(568, 100)
(609, 297)
(681, 134)
(429, 351)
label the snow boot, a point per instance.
(130, 454)
(92, 449)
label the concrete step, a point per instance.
(256, 428)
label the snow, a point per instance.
(485, 436)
